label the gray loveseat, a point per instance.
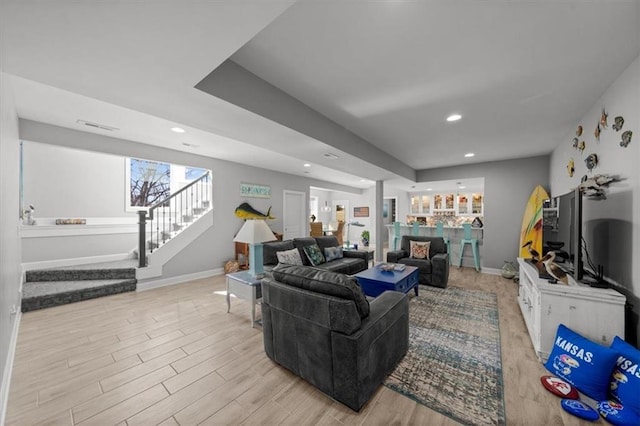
(433, 271)
(352, 262)
(319, 325)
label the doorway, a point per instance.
(389, 215)
(295, 217)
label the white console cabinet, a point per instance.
(595, 313)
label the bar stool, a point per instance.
(474, 246)
(396, 236)
(440, 233)
(415, 229)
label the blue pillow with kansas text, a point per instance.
(581, 362)
(625, 380)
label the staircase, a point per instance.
(164, 230)
(45, 288)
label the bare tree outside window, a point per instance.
(149, 182)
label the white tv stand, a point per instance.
(595, 313)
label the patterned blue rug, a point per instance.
(454, 365)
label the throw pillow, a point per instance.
(625, 380)
(314, 254)
(333, 253)
(581, 362)
(290, 257)
(420, 249)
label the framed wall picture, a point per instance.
(361, 212)
(255, 190)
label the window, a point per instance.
(149, 182)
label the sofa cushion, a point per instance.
(333, 253)
(420, 249)
(314, 254)
(344, 265)
(300, 244)
(325, 282)
(270, 249)
(290, 257)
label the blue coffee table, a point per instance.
(374, 281)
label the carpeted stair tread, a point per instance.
(45, 294)
(82, 272)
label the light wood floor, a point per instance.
(174, 356)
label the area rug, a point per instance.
(454, 364)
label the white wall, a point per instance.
(611, 227)
(92, 184)
(10, 273)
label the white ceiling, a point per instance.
(522, 73)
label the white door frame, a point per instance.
(302, 220)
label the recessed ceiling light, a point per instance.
(177, 129)
(454, 117)
(469, 154)
(307, 165)
(429, 189)
(462, 187)
(330, 156)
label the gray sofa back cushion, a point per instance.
(437, 244)
(270, 249)
(325, 282)
(327, 241)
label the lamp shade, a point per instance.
(254, 232)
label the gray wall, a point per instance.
(507, 187)
(215, 246)
(9, 222)
(611, 226)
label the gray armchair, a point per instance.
(433, 271)
(319, 325)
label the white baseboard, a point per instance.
(58, 263)
(8, 368)
(148, 285)
(491, 271)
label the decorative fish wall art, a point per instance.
(618, 122)
(581, 146)
(596, 132)
(626, 138)
(603, 118)
(571, 167)
(591, 161)
(575, 143)
(579, 131)
(245, 211)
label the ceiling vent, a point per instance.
(330, 156)
(97, 125)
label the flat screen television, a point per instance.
(563, 234)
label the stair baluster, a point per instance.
(182, 206)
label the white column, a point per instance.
(380, 229)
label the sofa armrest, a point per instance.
(394, 256)
(359, 254)
(440, 269)
(362, 360)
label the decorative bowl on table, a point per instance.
(386, 267)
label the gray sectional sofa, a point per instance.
(319, 325)
(352, 262)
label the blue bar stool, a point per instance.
(440, 233)
(415, 229)
(474, 246)
(396, 236)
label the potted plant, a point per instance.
(365, 238)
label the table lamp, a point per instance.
(255, 232)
